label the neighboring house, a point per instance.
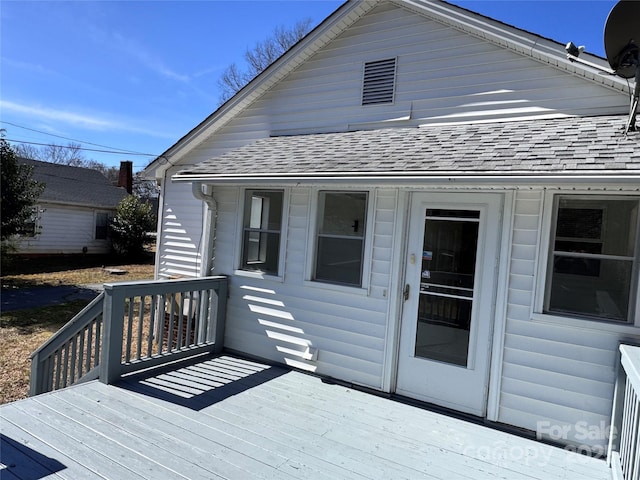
(72, 214)
(424, 201)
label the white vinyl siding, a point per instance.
(286, 320)
(180, 240)
(431, 83)
(552, 374)
(65, 230)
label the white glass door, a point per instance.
(450, 291)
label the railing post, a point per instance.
(35, 381)
(113, 319)
(616, 413)
(221, 314)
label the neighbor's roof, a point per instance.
(578, 147)
(75, 185)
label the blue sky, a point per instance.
(138, 75)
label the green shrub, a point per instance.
(131, 227)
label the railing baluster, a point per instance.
(127, 357)
(172, 310)
(87, 365)
(180, 319)
(626, 425)
(98, 337)
(189, 334)
(65, 366)
(634, 460)
(58, 360)
(152, 324)
(140, 325)
(81, 352)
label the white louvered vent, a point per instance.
(379, 82)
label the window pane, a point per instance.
(339, 260)
(605, 226)
(262, 225)
(442, 332)
(261, 251)
(594, 287)
(579, 222)
(593, 257)
(263, 209)
(102, 222)
(342, 213)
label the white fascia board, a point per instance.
(336, 23)
(631, 177)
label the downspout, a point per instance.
(209, 226)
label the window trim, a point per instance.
(545, 258)
(367, 253)
(239, 248)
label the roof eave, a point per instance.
(626, 177)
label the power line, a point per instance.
(114, 152)
(120, 151)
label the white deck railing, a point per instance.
(624, 440)
(133, 326)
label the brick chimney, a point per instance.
(125, 177)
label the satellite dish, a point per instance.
(622, 46)
(622, 37)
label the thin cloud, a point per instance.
(88, 122)
(31, 67)
(147, 59)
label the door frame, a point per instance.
(396, 307)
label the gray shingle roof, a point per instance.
(575, 146)
(75, 185)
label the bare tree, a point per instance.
(23, 150)
(260, 57)
(70, 154)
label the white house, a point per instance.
(423, 201)
(72, 214)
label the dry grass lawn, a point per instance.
(23, 331)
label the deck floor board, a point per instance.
(233, 418)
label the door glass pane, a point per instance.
(446, 285)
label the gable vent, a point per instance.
(379, 82)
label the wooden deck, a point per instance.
(231, 418)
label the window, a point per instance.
(379, 82)
(102, 225)
(340, 237)
(30, 227)
(262, 230)
(593, 260)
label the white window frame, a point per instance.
(545, 255)
(363, 289)
(239, 248)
